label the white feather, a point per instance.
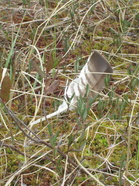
(92, 74)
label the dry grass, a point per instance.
(56, 37)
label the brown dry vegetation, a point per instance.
(46, 41)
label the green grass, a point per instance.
(43, 41)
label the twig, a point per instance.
(2, 144)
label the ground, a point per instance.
(44, 44)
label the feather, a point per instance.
(92, 74)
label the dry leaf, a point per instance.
(5, 88)
(0, 74)
(53, 86)
(38, 69)
(49, 64)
